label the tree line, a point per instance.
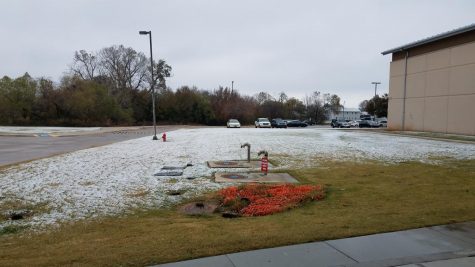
(377, 106)
(112, 87)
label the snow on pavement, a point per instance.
(116, 178)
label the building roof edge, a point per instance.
(431, 39)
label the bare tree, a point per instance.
(283, 97)
(126, 67)
(315, 107)
(334, 104)
(85, 65)
(263, 97)
(161, 70)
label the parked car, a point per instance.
(344, 124)
(375, 124)
(278, 123)
(339, 123)
(369, 124)
(365, 124)
(354, 124)
(296, 123)
(334, 123)
(383, 122)
(262, 123)
(366, 117)
(233, 123)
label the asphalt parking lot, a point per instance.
(16, 149)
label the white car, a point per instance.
(354, 124)
(262, 123)
(233, 123)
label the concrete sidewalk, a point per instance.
(439, 246)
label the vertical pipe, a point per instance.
(249, 153)
(404, 96)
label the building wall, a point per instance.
(440, 91)
(348, 114)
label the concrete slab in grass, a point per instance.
(311, 254)
(234, 164)
(228, 177)
(221, 261)
(169, 173)
(417, 242)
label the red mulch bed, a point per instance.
(260, 200)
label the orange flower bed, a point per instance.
(260, 200)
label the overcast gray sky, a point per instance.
(263, 45)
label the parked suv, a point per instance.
(278, 123)
(262, 123)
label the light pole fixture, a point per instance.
(149, 33)
(375, 86)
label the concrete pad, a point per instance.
(235, 164)
(169, 173)
(173, 168)
(460, 262)
(311, 254)
(396, 245)
(229, 177)
(464, 231)
(203, 262)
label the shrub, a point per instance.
(260, 200)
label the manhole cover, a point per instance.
(227, 163)
(17, 214)
(234, 176)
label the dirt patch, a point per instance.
(199, 208)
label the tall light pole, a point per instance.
(375, 86)
(149, 33)
(344, 110)
(232, 86)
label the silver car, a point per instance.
(262, 123)
(233, 123)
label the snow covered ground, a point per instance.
(115, 178)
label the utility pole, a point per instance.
(375, 86)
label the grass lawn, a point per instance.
(362, 198)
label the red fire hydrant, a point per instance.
(164, 137)
(265, 164)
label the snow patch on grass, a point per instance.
(115, 178)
